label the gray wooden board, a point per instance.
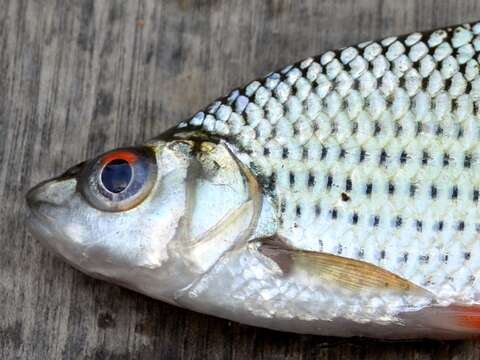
(80, 77)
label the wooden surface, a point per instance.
(81, 77)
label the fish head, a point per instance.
(153, 218)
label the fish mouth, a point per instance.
(39, 224)
(43, 227)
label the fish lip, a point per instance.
(31, 196)
(38, 224)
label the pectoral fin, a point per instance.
(344, 272)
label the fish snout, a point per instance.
(35, 195)
(50, 193)
(54, 191)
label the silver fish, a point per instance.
(338, 196)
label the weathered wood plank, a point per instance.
(79, 77)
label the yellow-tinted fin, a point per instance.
(344, 272)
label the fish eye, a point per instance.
(119, 180)
(116, 175)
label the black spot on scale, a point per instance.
(476, 195)
(419, 225)
(476, 108)
(403, 157)
(398, 221)
(467, 256)
(284, 153)
(361, 156)
(424, 259)
(334, 213)
(339, 249)
(324, 153)
(375, 221)
(461, 225)
(382, 254)
(345, 197)
(368, 189)
(348, 184)
(377, 129)
(318, 210)
(413, 190)
(342, 154)
(425, 158)
(391, 188)
(467, 161)
(433, 192)
(305, 153)
(329, 182)
(311, 180)
(405, 257)
(298, 211)
(383, 157)
(446, 159)
(354, 218)
(439, 226)
(454, 192)
(291, 178)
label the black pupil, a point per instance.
(116, 175)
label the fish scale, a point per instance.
(372, 152)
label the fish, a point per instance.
(337, 196)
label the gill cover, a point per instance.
(223, 204)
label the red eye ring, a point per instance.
(128, 156)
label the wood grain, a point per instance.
(79, 77)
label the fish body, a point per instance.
(338, 196)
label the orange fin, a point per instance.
(453, 321)
(465, 316)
